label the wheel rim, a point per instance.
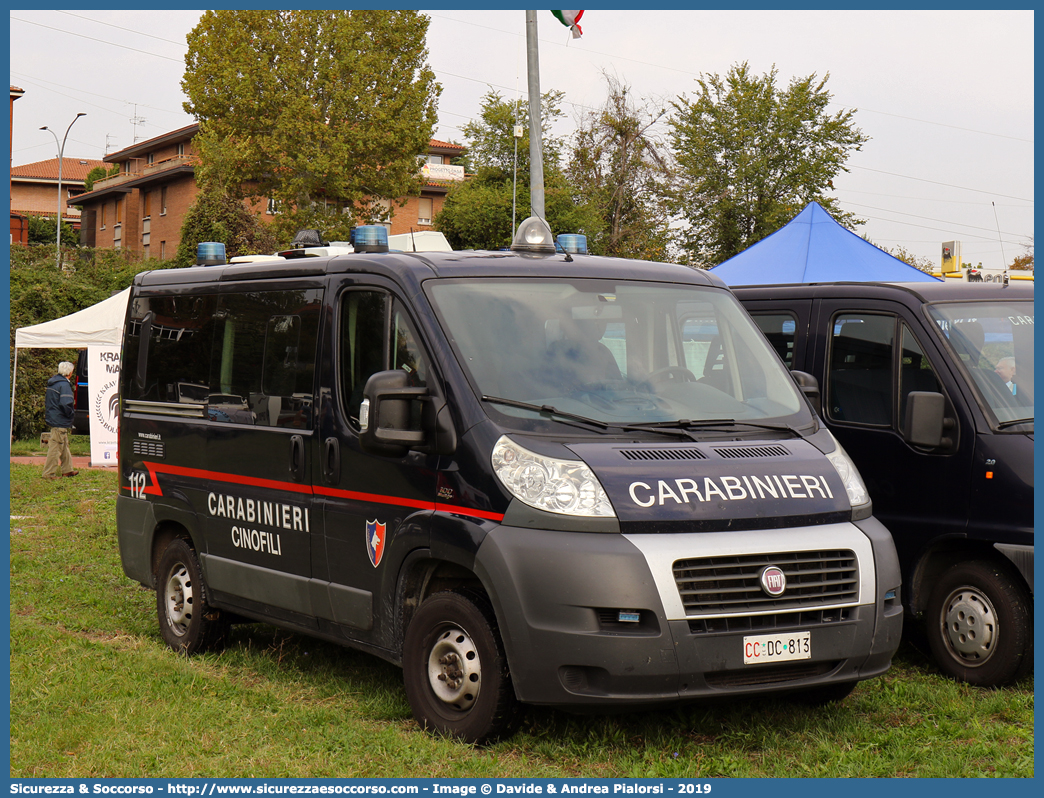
(178, 597)
(970, 626)
(454, 669)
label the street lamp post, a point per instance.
(58, 221)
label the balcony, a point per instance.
(142, 174)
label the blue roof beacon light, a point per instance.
(573, 243)
(370, 238)
(533, 236)
(210, 253)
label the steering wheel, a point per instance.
(670, 374)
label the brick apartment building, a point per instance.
(142, 208)
(34, 187)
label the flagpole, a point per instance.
(536, 150)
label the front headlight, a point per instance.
(567, 487)
(842, 463)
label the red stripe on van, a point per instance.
(372, 497)
(154, 489)
(452, 508)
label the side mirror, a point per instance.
(396, 417)
(809, 386)
(925, 419)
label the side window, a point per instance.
(362, 344)
(375, 335)
(701, 346)
(915, 372)
(406, 354)
(859, 383)
(615, 340)
(263, 368)
(168, 345)
(780, 329)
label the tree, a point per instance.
(617, 165)
(41, 231)
(1024, 262)
(749, 156)
(477, 213)
(217, 216)
(325, 112)
(902, 253)
(99, 173)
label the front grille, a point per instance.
(734, 452)
(663, 454)
(774, 622)
(730, 585)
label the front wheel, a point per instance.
(980, 625)
(187, 623)
(455, 671)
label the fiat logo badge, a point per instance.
(773, 581)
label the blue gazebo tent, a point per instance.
(813, 248)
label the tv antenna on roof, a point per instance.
(137, 121)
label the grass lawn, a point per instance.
(95, 693)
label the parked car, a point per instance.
(911, 386)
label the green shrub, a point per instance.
(41, 292)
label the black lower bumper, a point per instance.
(559, 595)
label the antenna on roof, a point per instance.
(137, 121)
(1004, 260)
(107, 144)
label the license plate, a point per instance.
(777, 647)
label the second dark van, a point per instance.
(929, 387)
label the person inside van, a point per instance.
(1006, 370)
(580, 356)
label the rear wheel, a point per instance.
(187, 623)
(455, 671)
(980, 625)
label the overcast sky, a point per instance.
(945, 96)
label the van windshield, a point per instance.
(615, 351)
(994, 342)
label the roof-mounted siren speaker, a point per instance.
(210, 253)
(370, 238)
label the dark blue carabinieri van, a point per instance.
(527, 477)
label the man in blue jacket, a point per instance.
(59, 412)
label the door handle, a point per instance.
(332, 460)
(297, 457)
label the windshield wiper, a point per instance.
(549, 411)
(1013, 422)
(685, 423)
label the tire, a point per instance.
(187, 623)
(980, 625)
(455, 671)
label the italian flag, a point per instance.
(571, 19)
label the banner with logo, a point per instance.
(103, 385)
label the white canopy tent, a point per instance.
(98, 325)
